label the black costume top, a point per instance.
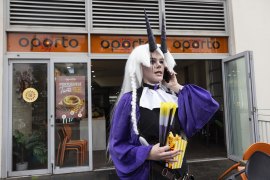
(148, 125)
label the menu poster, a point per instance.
(70, 97)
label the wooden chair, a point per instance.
(263, 147)
(80, 142)
(65, 146)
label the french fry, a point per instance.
(171, 144)
(177, 158)
(184, 150)
(182, 153)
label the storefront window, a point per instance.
(238, 106)
(29, 116)
(71, 116)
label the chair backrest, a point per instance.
(62, 136)
(260, 146)
(257, 167)
(68, 131)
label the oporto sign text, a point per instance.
(195, 44)
(48, 43)
(175, 45)
(123, 43)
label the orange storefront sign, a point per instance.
(40, 42)
(175, 44)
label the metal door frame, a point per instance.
(51, 139)
(9, 124)
(74, 59)
(252, 99)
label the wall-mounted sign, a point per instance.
(30, 95)
(125, 44)
(70, 97)
(38, 42)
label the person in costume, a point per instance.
(134, 135)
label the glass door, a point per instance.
(28, 118)
(239, 104)
(70, 111)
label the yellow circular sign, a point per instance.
(30, 95)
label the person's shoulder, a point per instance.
(126, 96)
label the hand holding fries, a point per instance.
(176, 143)
(166, 138)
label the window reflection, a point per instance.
(29, 116)
(71, 117)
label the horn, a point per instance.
(163, 36)
(151, 38)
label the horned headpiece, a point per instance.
(169, 60)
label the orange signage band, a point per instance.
(41, 42)
(175, 44)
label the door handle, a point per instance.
(51, 120)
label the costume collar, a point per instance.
(151, 86)
(151, 99)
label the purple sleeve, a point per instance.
(195, 108)
(128, 155)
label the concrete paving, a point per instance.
(208, 170)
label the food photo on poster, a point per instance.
(70, 97)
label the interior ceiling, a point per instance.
(110, 73)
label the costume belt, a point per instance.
(169, 174)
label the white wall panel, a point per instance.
(1, 73)
(251, 31)
(264, 131)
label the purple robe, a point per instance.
(195, 109)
